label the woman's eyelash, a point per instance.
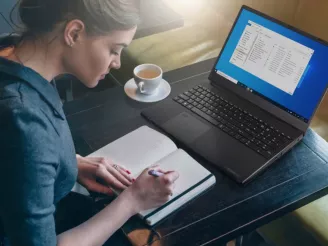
(114, 53)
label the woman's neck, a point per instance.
(42, 57)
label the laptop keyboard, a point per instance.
(238, 123)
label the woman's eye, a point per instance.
(114, 52)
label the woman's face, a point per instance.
(91, 58)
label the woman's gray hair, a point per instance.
(100, 17)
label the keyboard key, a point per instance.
(248, 143)
(205, 116)
(189, 106)
(243, 140)
(258, 143)
(229, 125)
(220, 126)
(184, 97)
(180, 101)
(265, 147)
(253, 146)
(241, 132)
(185, 104)
(226, 129)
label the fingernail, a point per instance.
(128, 172)
(133, 180)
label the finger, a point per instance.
(170, 177)
(101, 160)
(146, 170)
(110, 180)
(170, 189)
(125, 174)
(99, 188)
(124, 169)
(118, 175)
(158, 168)
(165, 198)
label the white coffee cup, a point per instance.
(148, 77)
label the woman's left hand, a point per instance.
(99, 174)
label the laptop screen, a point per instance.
(283, 66)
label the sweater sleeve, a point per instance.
(28, 167)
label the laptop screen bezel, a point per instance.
(262, 102)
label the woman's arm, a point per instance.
(100, 227)
(147, 192)
(28, 169)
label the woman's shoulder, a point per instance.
(15, 104)
(10, 96)
(15, 94)
(23, 122)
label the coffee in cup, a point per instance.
(148, 77)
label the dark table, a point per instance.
(228, 209)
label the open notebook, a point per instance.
(145, 147)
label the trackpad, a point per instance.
(185, 127)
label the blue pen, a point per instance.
(155, 173)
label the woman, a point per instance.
(38, 164)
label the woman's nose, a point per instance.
(116, 64)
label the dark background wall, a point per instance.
(5, 8)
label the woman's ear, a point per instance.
(74, 32)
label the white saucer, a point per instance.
(163, 90)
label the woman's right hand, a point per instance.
(148, 191)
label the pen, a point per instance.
(155, 173)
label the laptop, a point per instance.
(264, 89)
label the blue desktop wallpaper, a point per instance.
(312, 85)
